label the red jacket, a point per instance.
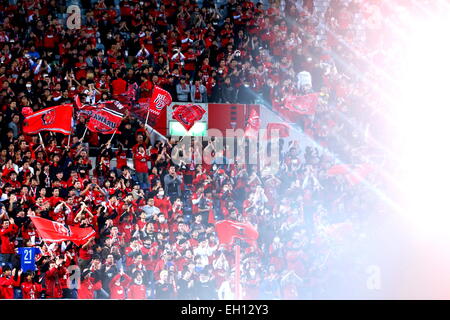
(53, 282)
(87, 288)
(121, 159)
(7, 285)
(5, 234)
(137, 291)
(118, 292)
(31, 290)
(163, 205)
(119, 86)
(140, 162)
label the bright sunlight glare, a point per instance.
(422, 120)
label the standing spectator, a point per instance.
(8, 233)
(119, 285)
(119, 86)
(204, 287)
(245, 93)
(164, 289)
(14, 125)
(54, 279)
(8, 281)
(185, 287)
(228, 92)
(137, 288)
(141, 158)
(30, 288)
(183, 90)
(172, 184)
(88, 285)
(198, 92)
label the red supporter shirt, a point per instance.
(119, 86)
(7, 246)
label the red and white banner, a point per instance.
(228, 231)
(105, 117)
(188, 114)
(52, 231)
(56, 119)
(302, 104)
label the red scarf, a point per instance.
(197, 95)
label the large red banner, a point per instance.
(105, 117)
(52, 231)
(56, 119)
(228, 231)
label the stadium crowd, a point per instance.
(155, 237)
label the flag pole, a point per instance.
(112, 136)
(68, 139)
(146, 121)
(146, 118)
(84, 133)
(237, 272)
(153, 129)
(42, 141)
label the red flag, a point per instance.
(302, 104)
(159, 100)
(78, 102)
(188, 114)
(130, 95)
(153, 106)
(139, 110)
(283, 129)
(52, 231)
(228, 230)
(56, 119)
(253, 124)
(104, 118)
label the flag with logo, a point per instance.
(56, 119)
(152, 106)
(228, 231)
(52, 231)
(104, 117)
(305, 104)
(188, 114)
